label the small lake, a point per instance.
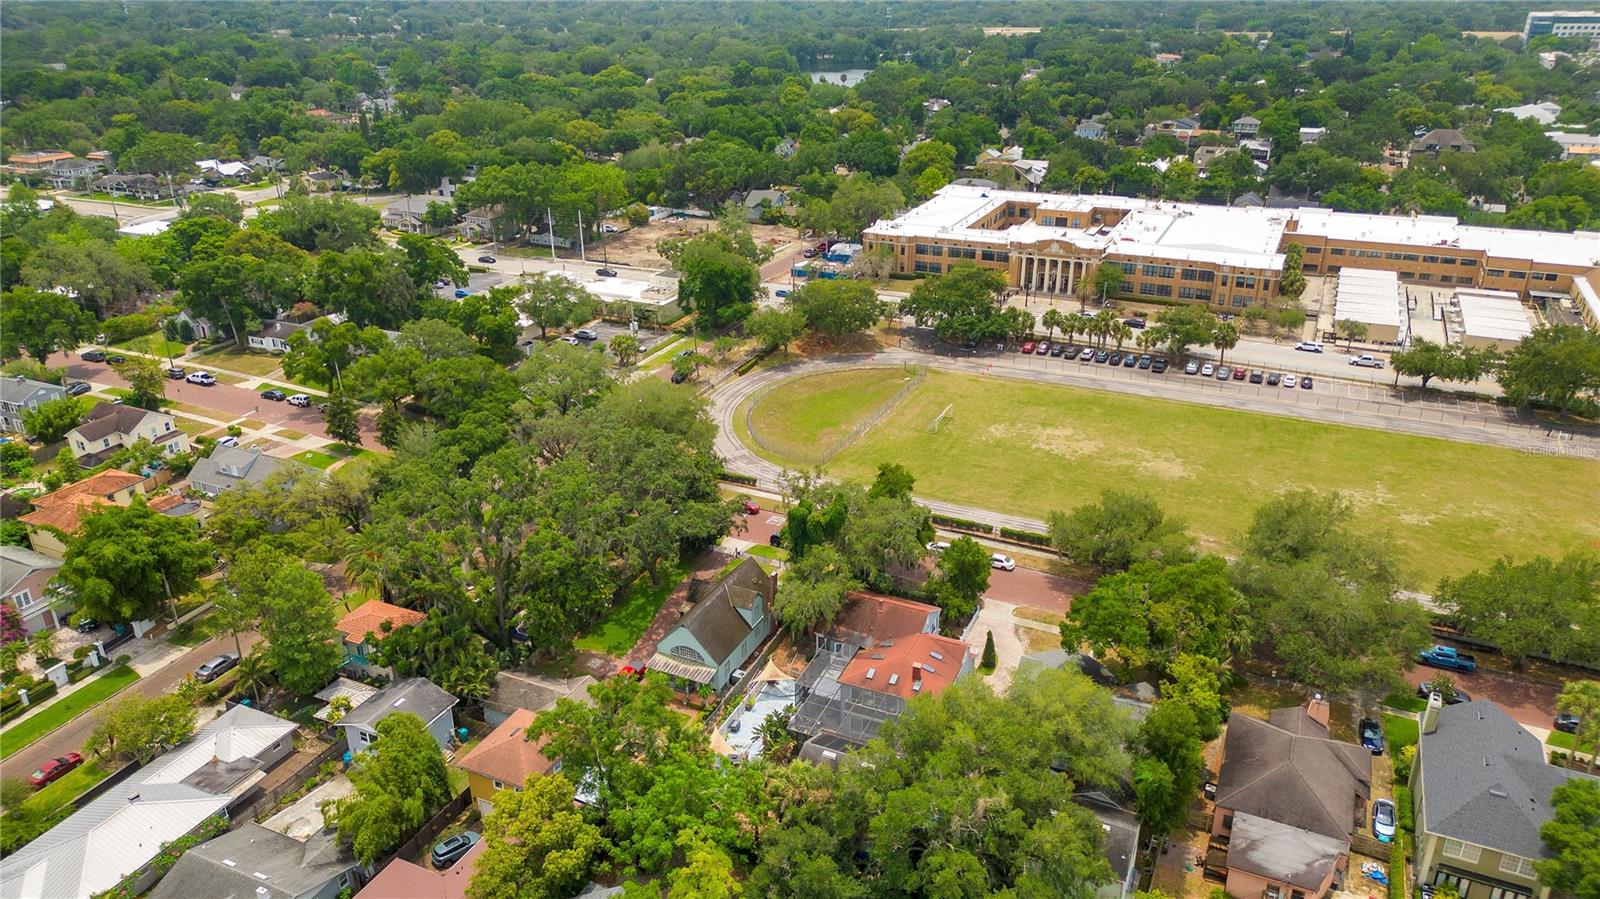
(847, 77)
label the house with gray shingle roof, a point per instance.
(416, 695)
(229, 466)
(19, 395)
(256, 863)
(1481, 790)
(723, 627)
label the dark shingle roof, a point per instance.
(239, 864)
(416, 695)
(106, 419)
(1485, 780)
(715, 620)
(1306, 781)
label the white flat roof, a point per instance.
(1493, 314)
(145, 229)
(1369, 296)
(1580, 248)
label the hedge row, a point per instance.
(1033, 537)
(963, 523)
(1402, 801)
(734, 477)
(39, 691)
(1397, 868)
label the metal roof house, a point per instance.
(121, 831)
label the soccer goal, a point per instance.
(939, 419)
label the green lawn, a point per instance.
(802, 420)
(91, 694)
(315, 459)
(627, 620)
(768, 552)
(154, 345)
(1403, 700)
(61, 793)
(1563, 740)
(1399, 732)
(1030, 449)
(197, 631)
(244, 361)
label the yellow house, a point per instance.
(504, 760)
(56, 517)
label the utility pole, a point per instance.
(581, 257)
(550, 225)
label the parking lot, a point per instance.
(648, 339)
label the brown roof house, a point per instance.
(367, 624)
(1288, 799)
(504, 760)
(57, 516)
(110, 427)
(867, 620)
(721, 630)
(1441, 139)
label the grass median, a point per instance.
(97, 690)
(1029, 448)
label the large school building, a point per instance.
(1225, 257)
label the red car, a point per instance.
(54, 770)
(630, 671)
(750, 508)
(1028, 347)
(1238, 374)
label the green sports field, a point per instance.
(1030, 449)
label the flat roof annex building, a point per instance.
(1225, 257)
(1491, 318)
(1375, 299)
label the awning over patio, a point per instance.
(700, 674)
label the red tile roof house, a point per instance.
(1288, 799)
(888, 653)
(365, 626)
(56, 517)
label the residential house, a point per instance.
(1031, 172)
(25, 586)
(1311, 136)
(1481, 790)
(1582, 145)
(69, 174)
(786, 148)
(757, 202)
(483, 223)
(274, 336)
(416, 695)
(110, 427)
(877, 654)
(57, 516)
(504, 760)
(1259, 150)
(1204, 156)
(256, 863)
(1245, 127)
(331, 117)
(1288, 798)
(514, 691)
(136, 186)
(36, 162)
(265, 163)
(324, 180)
(199, 325)
(20, 394)
(1168, 59)
(1119, 841)
(213, 170)
(123, 829)
(228, 466)
(1441, 139)
(362, 628)
(405, 214)
(725, 624)
(402, 879)
(1090, 131)
(1183, 129)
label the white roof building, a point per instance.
(1544, 113)
(1492, 317)
(1374, 298)
(124, 828)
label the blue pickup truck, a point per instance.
(1447, 657)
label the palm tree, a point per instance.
(1225, 338)
(364, 563)
(1105, 322)
(1121, 331)
(774, 733)
(253, 673)
(42, 643)
(1147, 339)
(1053, 319)
(1071, 325)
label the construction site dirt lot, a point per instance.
(636, 247)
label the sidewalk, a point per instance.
(147, 657)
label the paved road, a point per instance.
(71, 736)
(228, 401)
(1528, 700)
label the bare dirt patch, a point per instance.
(636, 247)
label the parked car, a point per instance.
(1087, 354)
(585, 334)
(1101, 356)
(1366, 361)
(1027, 347)
(1043, 348)
(487, 259)
(462, 293)
(1135, 323)
(1383, 820)
(215, 667)
(116, 359)
(1274, 379)
(300, 400)
(1057, 349)
(87, 625)
(1002, 562)
(203, 378)
(176, 374)
(1145, 361)
(938, 546)
(1224, 373)
(1447, 657)
(228, 440)
(1238, 374)
(1290, 380)
(1425, 689)
(1128, 360)
(1567, 723)
(448, 852)
(679, 377)
(94, 355)
(1207, 370)
(605, 273)
(1116, 359)
(1256, 377)
(274, 394)
(1192, 368)
(750, 507)
(1158, 366)
(53, 770)
(1305, 383)
(78, 388)
(1308, 346)
(1371, 735)
(809, 252)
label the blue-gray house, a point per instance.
(1090, 130)
(728, 620)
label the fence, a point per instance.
(429, 831)
(918, 373)
(268, 801)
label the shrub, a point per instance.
(1402, 802)
(736, 478)
(1033, 537)
(966, 524)
(1403, 760)
(126, 327)
(1397, 868)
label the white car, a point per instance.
(203, 378)
(300, 400)
(585, 334)
(1207, 370)
(1002, 562)
(1289, 380)
(1366, 361)
(938, 546)
(1308, 346)
(229, 440)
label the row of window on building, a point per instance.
(932, 249)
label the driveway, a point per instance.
(70, 737)
(1528, 700)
